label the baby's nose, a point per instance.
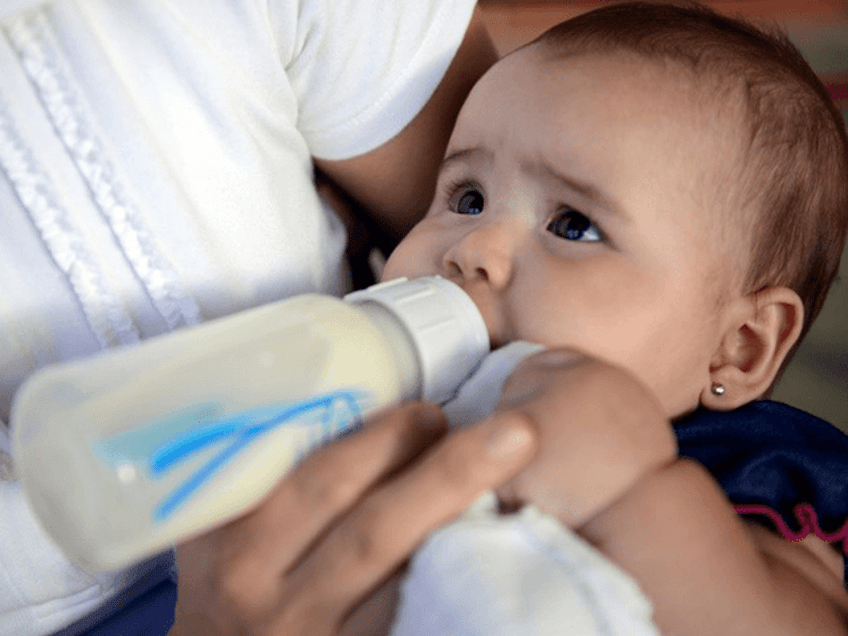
(487, 251)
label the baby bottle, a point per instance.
(124, 454)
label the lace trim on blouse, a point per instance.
(34, 43)
(102, 308)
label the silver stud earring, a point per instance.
(717, 389)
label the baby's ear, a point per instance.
(763, 328)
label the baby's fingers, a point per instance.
(382, 532)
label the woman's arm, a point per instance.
(394, 183)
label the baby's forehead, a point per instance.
(711, 106)
(659, 89)
(684, 108)
(658, 77)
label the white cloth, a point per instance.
(155, 172)
(487, 574)
(516, 575)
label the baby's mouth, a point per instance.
(488, 310)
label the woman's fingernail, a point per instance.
(519, 392)
(508, 441)
(558, 357)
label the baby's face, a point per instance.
(570, 207)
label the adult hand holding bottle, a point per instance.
(340, 525)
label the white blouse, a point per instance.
(155, 172)
(155, 155)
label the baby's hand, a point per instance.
(599, 431)
(606, 465)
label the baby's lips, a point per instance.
(486, 307)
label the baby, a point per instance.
(659, 196)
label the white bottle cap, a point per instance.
(444, 323)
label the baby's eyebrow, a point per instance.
(587, 190)
(465, 154)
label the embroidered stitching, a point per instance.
(102, 308)
(40, 57)
(807, 519)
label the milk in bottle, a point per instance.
(124, 454)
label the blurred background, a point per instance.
(817, 379)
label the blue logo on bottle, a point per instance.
(164, 445)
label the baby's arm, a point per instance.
(607, 466)
(706, 570)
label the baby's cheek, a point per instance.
(401, 261)
(417, 255)
(391, 268)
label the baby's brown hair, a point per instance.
(795, 174)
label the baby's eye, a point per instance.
(470, 202)
(574, 226)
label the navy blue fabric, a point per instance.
(151, 614)
(771, 454)
(765, 453)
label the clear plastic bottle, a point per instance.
(126, 453)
